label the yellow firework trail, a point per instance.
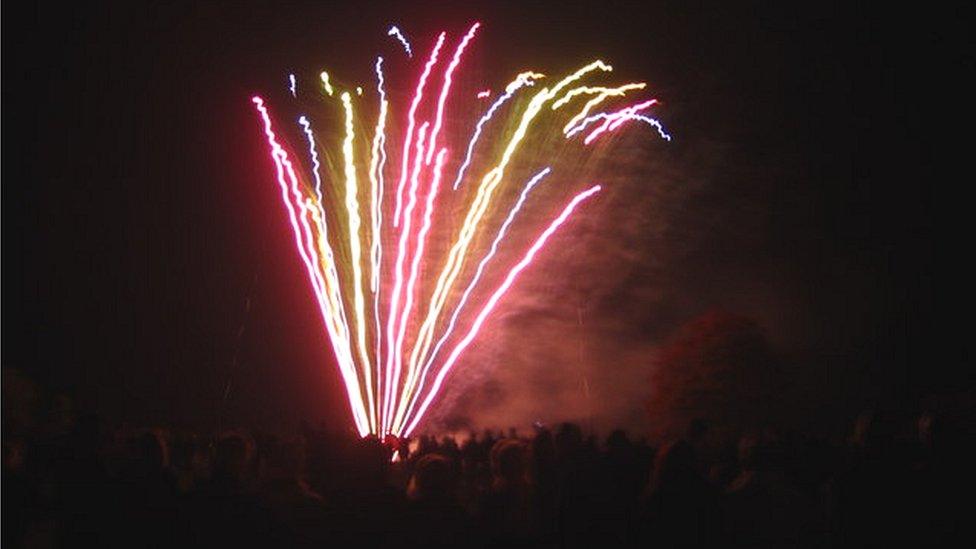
(392, 379)
(477, 210)
(355, 250)
(602, 95)
(326, 84)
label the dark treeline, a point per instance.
(72, 480)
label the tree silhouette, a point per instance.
(717, 366)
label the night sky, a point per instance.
(142, 230)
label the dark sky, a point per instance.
(140, 216)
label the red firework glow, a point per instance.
(389, 356)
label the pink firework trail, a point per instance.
(493, 301)
(391, 368)
(412, 122)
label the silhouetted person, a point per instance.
(227, 510)
(351, 474)
(581, 513)
(681, 509)
(299, 517)
(506, 510)
(625, 473)
(763, 506)
(543, 476)
(450, 450)
(142, 502)
(434, 518)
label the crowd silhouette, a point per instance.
(71, 481)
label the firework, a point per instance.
(402, 280)
(395, 32)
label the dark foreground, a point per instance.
(72, 482)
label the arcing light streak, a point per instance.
(330, 275)
(377, 162)
(603, 94)
(326, 84)
(318, 217)
(487, 258)
(474, 282)
(478, 208)
(602, 91)
(392, 362)
(430, 283)
(523, 79)
(418, 254)
(614, 120)
(404, 312)
(316, 165)
(493, 301)
(327, 263)
(394, 31)
(343, 357)
(446, 88)
(619, 116)
(656, 124)
(352, 208)
(411, 122)
(376, 165)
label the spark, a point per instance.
(395, 354)
(394, 31)
(285, 170)
(602, 116)
(602, 91)
(653, 122)
(446, 88)
(331, 276)
(613, 120)
(391, 322)
(480, 270)
(325, 83)
(316, 165)
(377, 163)
(523, 79)
(493, 301)
(411, 122)
(478, 208)
(415, 265)
(603, 94)
(352, 208)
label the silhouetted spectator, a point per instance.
(581, 514)
(299, 516)
(681, 509)
(434, 515)
(763, 506)
(228, 511)
(69, 481)
(506, 510)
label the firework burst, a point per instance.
(401, 209)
